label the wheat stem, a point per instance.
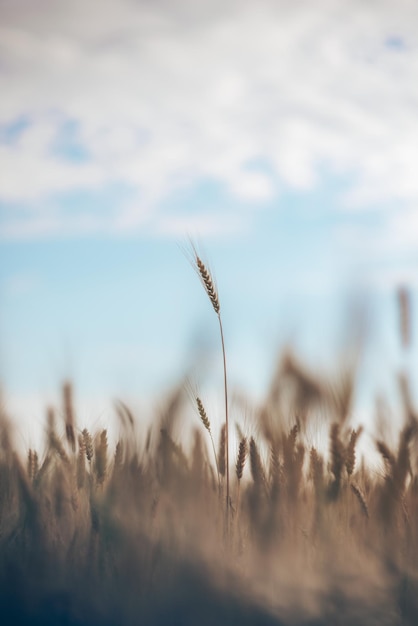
(226, 425)
(212, 292)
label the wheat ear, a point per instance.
(361, 499)
(208, 284)
(206, 423)
(350, 460)
(88, 444)
(239, 466)
(242, 457)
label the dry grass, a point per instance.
(138, 532)
(100, 532)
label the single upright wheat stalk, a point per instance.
(212, 292)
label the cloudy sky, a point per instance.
(282, 136)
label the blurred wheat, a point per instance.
(96, 531)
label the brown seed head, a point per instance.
(202, 414)
(88, 444)
(242, 457)
(350, 460)
(208, 284)
(361, 499)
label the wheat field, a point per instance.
(249, 523)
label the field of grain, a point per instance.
(249, 523)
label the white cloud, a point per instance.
(166, 94)
(202, 224)
(32, 175)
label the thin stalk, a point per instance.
(212, 292)
(226, 425)
(216, 461)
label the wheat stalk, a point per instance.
(212, 292)
(222, 451)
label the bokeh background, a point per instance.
(281, 136)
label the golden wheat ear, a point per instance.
(205, 277)
(361, 499)
(208, 284)
(206, 423)
(241, 458)
(203, 415)
(88, 444)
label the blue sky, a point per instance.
(284, 139)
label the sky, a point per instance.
(281, 136)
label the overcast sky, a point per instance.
(282, 135)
